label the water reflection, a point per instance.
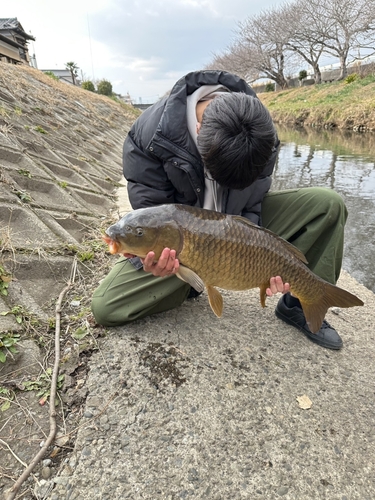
(343, 161)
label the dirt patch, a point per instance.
(164, 363)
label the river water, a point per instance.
(345, 162)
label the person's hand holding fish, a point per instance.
(277, 286)
(165, 266)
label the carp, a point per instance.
(227, 252)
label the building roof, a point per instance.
(10, 41)
(13, 24)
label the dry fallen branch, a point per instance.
(12, 492)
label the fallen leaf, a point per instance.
(304, 402)
(55, 452)
(5, 406)
(61, 440)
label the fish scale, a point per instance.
(228, 252)
(242, 266)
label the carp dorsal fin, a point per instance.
(294, 250)
(186, 274)
(216, 300)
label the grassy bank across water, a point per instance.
(330, 105)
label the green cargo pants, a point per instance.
(313, 219)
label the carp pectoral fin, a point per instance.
(216, 300)
(186, 274)
(263, 294)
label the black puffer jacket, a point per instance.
(161, 161)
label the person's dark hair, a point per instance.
(236, 139)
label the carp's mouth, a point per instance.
(113, 245)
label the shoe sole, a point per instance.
(309, 335)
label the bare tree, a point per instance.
(236, 59)
(301, 30)
(346, 25)
(265, 42)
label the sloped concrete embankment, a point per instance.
(60, 162)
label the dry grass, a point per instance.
(337, 104)
(49, 93)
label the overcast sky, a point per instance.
(141, 46)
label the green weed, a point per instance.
(5, 279)
(18, 313)
(40, 129)
(80, 333)
(351, 78)
(6, 395)
(23, 171)
(97, 246)
(51, 75)
(8, 342)
(43, 385)
(85, 255)
(23, 196)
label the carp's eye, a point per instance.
(139, 231)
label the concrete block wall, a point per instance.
(60, 166)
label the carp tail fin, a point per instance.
(333, 296)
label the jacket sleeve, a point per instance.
(258, 190)
(147, 182)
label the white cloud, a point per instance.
(141, 46)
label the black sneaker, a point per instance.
(325, 337)
(193, 294)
